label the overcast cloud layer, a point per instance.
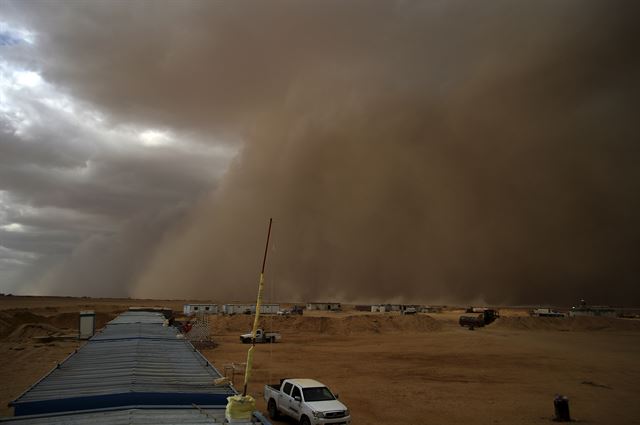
(429, 151)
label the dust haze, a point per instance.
(428, 151)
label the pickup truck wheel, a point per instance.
(273, 409)
(305, 421)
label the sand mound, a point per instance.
(71, 320)
(575, 324)
(65, 320)
(327, 325)
(12, 320)
(30, 330)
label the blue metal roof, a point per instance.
(134, 361)
(136, 330)
(164, 415)
(138, 317)
(152, 416)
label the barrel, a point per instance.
(561, 407)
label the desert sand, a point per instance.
(387, 368)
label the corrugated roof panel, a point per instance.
(135, 330)
(137, 365)
(130, 363)
(139, 317)
(181, 416)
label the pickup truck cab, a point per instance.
(307, 401)
(261, 337)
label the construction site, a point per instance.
(387, 368)
(319, 212)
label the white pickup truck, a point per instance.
(307, 401)
(261, 337)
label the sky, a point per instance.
(427, 151)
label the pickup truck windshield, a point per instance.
(317, 394)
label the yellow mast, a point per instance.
(247, 371)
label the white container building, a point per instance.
(189, 309)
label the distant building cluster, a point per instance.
(240, 308)
(585, 310)
(404, 308)
(189, 309)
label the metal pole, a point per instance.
(247, 371)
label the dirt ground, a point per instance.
(390, 369)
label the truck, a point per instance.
(487, 317)
(472, 322)
(307, 401)
(261, 337)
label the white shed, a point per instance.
(87, 324)
(200, 308)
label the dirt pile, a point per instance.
(12, 320)
(31, 330)
(70, 320)
(327, 325)
(572, 324)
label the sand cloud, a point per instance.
(409, 150)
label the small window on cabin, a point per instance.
(195, 308)
(287, 388)
(206, 308)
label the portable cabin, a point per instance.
(189, 309)
(324, 306)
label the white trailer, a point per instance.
(324, 306)
(269, 308)
(189, 309)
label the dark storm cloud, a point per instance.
(416, 150)
(80, 192)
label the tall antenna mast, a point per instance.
(247, 371)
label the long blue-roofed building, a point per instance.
(136, 370)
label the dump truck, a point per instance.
(307, 401)
(261, 337)
(472, 321)
(487, 317)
